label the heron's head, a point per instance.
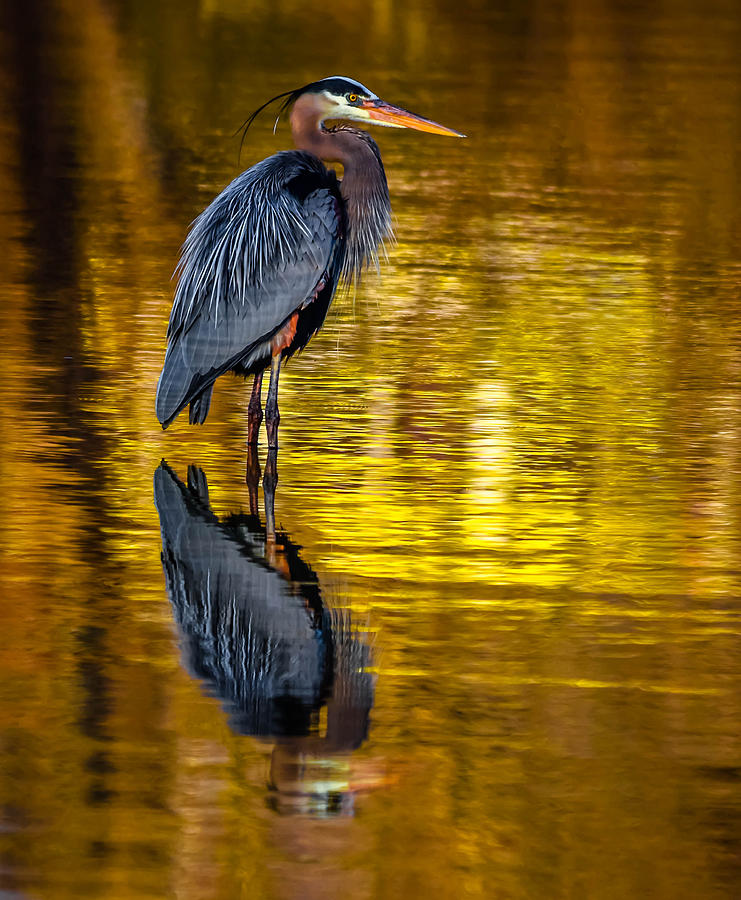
(340, 99)
(346, 100)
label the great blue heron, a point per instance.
(260, 265)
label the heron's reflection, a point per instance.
(254, 629)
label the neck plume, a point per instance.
(364, 188)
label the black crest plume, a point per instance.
(290, 97)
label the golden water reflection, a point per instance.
(514, 459)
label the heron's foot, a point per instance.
(269, 484)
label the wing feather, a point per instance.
(251, 259)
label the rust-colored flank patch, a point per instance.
(283, 338)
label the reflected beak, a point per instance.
(396, 117)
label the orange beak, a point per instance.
(385, 114)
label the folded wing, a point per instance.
(255, 256)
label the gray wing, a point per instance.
(251, 259)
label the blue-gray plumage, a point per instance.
(253, 258)
(252, 623)
(261, 264)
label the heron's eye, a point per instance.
(353, 98)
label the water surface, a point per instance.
(509, 502)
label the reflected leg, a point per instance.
(254, 411)
(272, 416)
(252, 478)
(269, 484)
(197, 484)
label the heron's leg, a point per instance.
(269, 484)
(252, 478)
(254, 411)
(272, 416)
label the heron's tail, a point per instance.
(181, 383)
(199, 406)
(178, 386)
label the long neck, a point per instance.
(364, 188)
